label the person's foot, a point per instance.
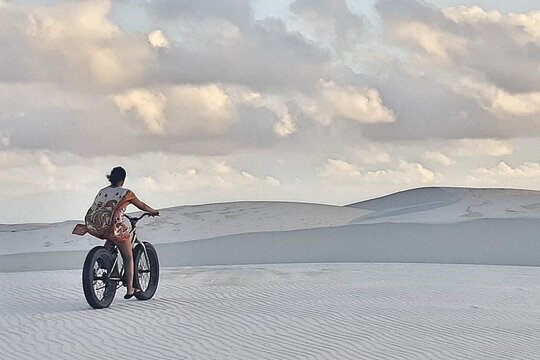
(130, 295)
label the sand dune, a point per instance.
(186, 223)
(450, 205)
(294, 311)
(434, 225)
(348, 311)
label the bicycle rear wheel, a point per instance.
(99, 291)
(146, 274)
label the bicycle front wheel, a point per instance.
(99, 291)
(146, 274)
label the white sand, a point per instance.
(450, 205)
(348, 311)
(428, 225)
(295, 311)
(186, 223)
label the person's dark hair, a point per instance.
(117, 174)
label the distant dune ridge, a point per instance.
(431, 225)
(342, 305)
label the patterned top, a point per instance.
(104, 218)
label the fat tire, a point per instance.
(149, 292)
(98, 252)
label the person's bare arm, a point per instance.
(142, 206)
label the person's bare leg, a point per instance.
(127, 256)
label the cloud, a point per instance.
(196, 108)
(505, 174)
(468, 148)
(202, 174)
(207, 95)
(472, 15)
(260, 54)
(181, 110)
(358, 104)
(17, 62)
(406, 173)
(373, 155)
(331, 20)
(285, 127)
(68, 182)
(441, 45)
(238, 12)
(523, 26)
(34, 172)
(439, 157)
(453, 73)
(4, 138)
(528, 22)
(469, 40)
(481, 147)
(149, 107)
(158, 40)
(79, 42)
(497, 100)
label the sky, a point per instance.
(320, 101)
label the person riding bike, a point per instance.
(104, 220)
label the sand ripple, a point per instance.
(347, 311)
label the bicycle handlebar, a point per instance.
(134, 220)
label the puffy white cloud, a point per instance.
(272, 181)
(467, 40)
(205, 175)
(505, 175)
(199, 108)
(405, 174)
(158, 40)
(472, 15)
(440, 44)
(337, 167)
(448, 151)
(285, 127)
(444, 85)
(497, 100)
(359, 104)
(261, 54)
(82, 44)
(149, 107)
(181, 110)
(525, 26)
(162, 179)
(529, 22)
(439, 157)
(363, 105)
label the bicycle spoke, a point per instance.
(101, 287)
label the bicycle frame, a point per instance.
(134, 242)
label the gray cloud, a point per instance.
(496, 47)
(332, 17)
(264, 56)
(17, 61)
(238, 12)
(222, 44)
